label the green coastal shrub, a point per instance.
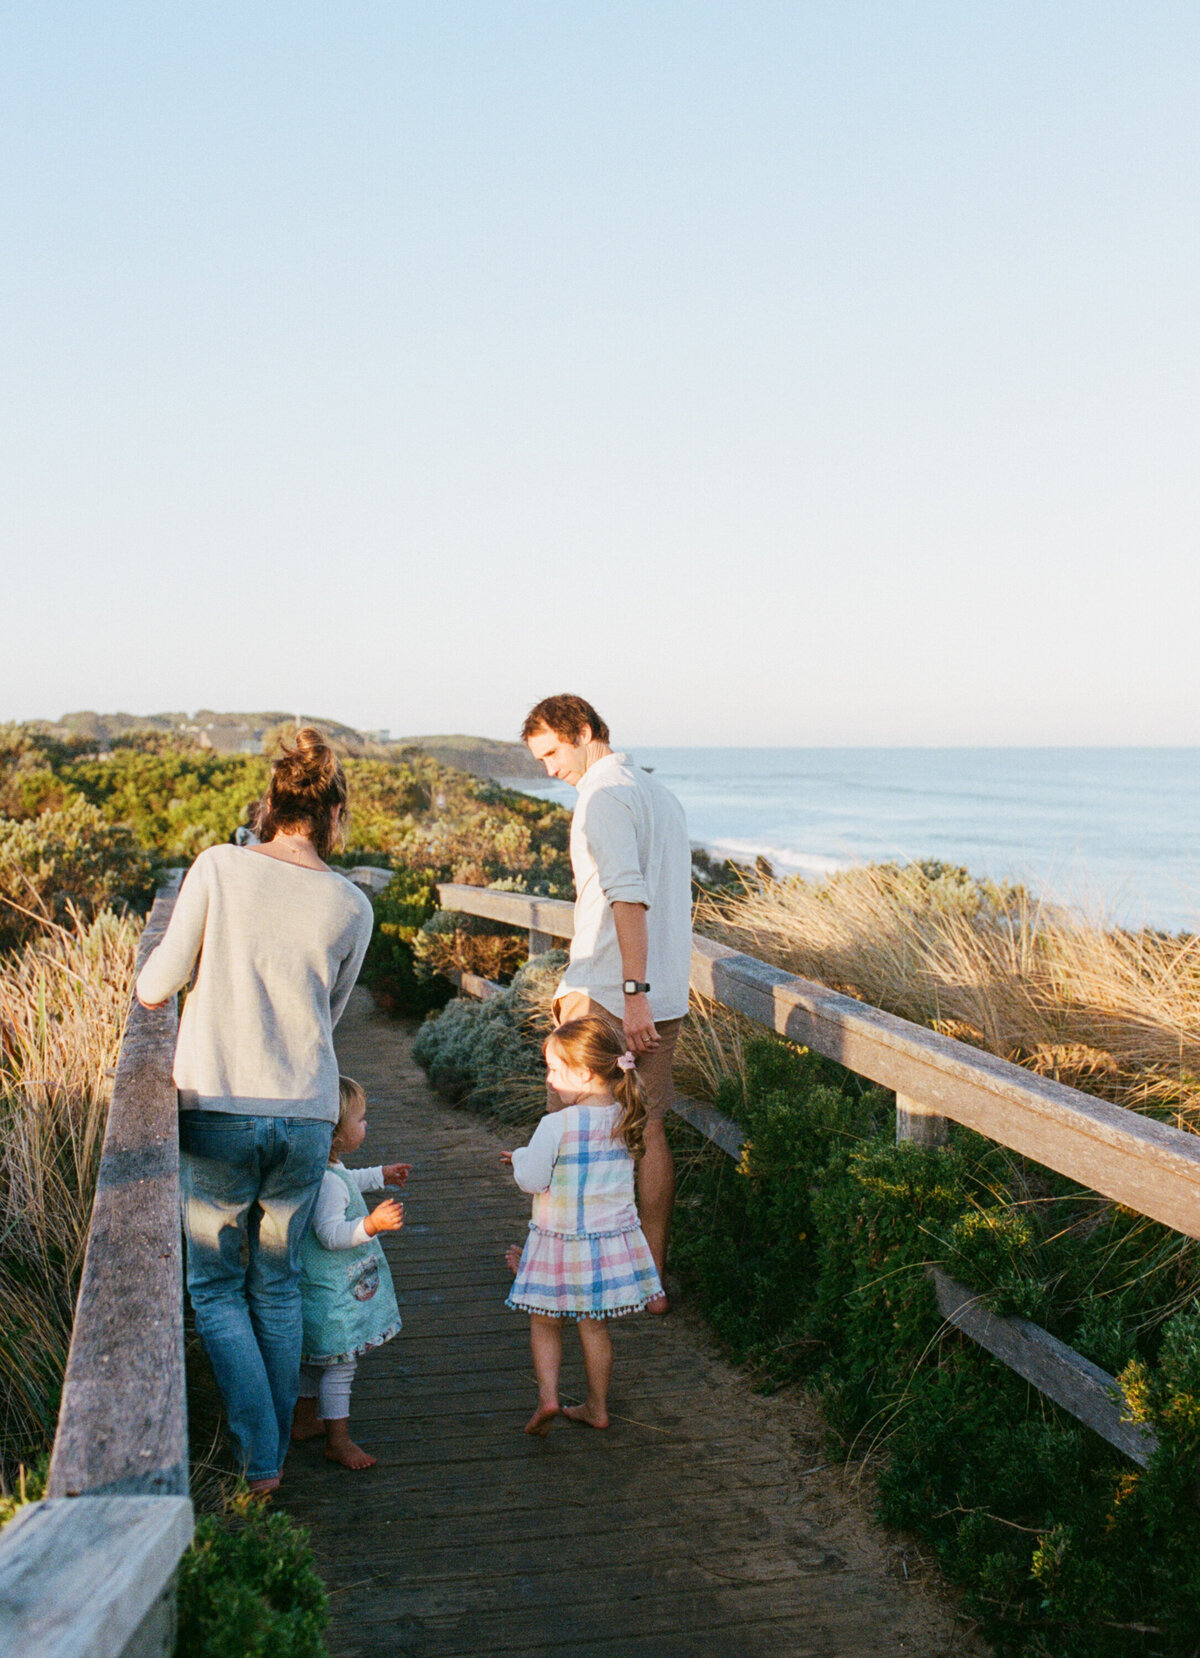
(68, 860)
(396, 978)
(248, 1585)
(488, 1055)
(809, 1258)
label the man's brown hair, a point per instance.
(566, 716)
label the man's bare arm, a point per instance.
(633, 941)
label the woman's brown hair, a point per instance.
(307, 785)
(591, 1044)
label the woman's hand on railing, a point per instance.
(396, 1174)
(388, 1217)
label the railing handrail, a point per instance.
(1146, 1165)
(91, 1569)
(122, 1425)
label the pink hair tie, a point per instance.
(627, 1062)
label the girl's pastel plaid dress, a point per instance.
(586, 1255)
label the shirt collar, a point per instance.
(596, 773)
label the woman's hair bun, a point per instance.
(307, 783)
(310, 747)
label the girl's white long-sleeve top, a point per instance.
(275, 950)
(329, 1218)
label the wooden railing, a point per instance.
(89, 1572)
(1124, 1156)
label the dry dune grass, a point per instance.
(63, 1000)
(1115, 1013)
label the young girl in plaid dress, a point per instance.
(586, 1257)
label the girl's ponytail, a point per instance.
(591, 1044)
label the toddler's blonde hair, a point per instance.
(350, 1094)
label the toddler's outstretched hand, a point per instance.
(396, 1174)
(506, 1157)
(388, 1217)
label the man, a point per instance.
(632, 949)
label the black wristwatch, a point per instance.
(635, 987)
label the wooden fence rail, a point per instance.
(89, 1572)
(1142, 1164)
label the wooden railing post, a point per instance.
(919, 1125)
(539, 942)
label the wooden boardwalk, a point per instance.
(698, 1526)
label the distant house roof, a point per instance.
(231, 739)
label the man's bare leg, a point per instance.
(656, 1198)
(597, 1366)
(545, 1340)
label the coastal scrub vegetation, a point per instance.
(810, 1257)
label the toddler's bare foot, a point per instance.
(349, 1454)
(512, 1258)
(339, 1447)
(306, 1424)
(585, 1413)
(539, 1422)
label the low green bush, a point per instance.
(248, 1586)
(488, 1055)
(809, 1258)
(72, 859)
(396, 978)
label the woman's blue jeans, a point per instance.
(249, 1188)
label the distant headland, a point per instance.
(255, 733)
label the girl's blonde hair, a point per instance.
(350, 1094)
(591, 1044)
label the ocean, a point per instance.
(1112, 831)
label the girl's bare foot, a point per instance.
(512, 1258)
(539, 1422)
(350, 1455)
(585, 1413)
(306, 1424)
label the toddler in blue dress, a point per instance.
(345, 1285)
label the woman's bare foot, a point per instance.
(340, 1448)
(585, 1413)
(512, 1258)
(306, 1424)
(263, 1488)
(539, 1422)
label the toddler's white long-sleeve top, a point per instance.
(329, 1218)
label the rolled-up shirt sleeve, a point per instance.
(532, 1165)
(170, 965)
(611, 839)
(329, 1221)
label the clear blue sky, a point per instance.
(772, 373)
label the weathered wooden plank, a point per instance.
(553, 916)
(710, 1122)
(1058, 1371)
(122, 1425)
(92, 1577)
(918, 1125)
(471, 984)
(1143, 1164)
(540, 942)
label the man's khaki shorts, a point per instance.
(653, 1068)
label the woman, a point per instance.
(275, 939)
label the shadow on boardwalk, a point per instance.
(697, 1527)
